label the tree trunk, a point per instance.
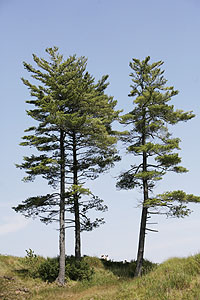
(143, 223)
(61, 276)
(77, 230)
(76, 203)
(140, 254)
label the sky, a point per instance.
(109, 33)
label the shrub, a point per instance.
(32, 263)
(127, 269)
(74, 269)
(48, 270)
(78, 269)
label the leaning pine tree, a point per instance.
(73, 139)
(150, 139)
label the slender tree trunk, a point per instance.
(140, 254)
(143, 223)
(61, 276)
(77, 230)
(76, 203)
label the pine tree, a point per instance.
(75, 139)
(149, 138)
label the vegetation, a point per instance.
(150, 139)
(74, 141)
(177, 278)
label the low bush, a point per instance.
(78, 269)
(127, 269)
(32, 263)
(48, 270)
(74, 269)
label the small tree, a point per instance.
(149, 138)
(76, 141)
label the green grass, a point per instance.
(175, 279)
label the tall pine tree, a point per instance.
(149, 138)
(75, 139)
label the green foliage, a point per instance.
(77, 270)
(71, 112)
(30, 255)
(149, 135)
(48, 270)
(87, 268)
(32, 263)
(149, 138)
(167, 202)
(127, 269)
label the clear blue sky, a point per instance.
(110, 33)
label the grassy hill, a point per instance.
(175, 279)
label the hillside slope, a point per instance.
(175, 279)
